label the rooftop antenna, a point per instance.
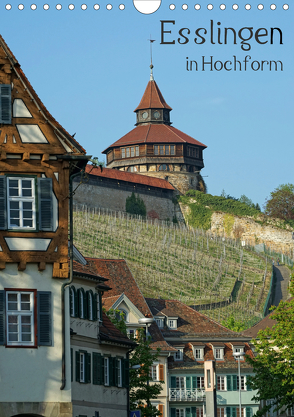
(151, 66)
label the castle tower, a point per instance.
(157, 149)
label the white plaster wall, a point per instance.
(30, 374)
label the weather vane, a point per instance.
(151, 65)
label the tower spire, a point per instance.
(151, 65)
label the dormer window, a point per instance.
(239, 350)
(172, 323)
(198, 353)
(160, 322)
(178, 356)
(219, 353)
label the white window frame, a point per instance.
(172, 323)
(180, 412)
(20, 313)
(178, 356)
(90, 305)
(160, 322)
(153, 372)
(218, 353)
(72, 302)
(239, 350)
(82, 367)
(81, 303)
(106, 371)
(119, 373)
(21, 200)
(200, 354)
(222, 381)
(200, 383)
(180, 382)
(243, 383)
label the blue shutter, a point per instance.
(194, 382)
(228, 410)
(188, 412)
(173, 382)
(229, 383)
(45, 204)
(248, 385)
(249, 412)
(235, 382)
(3, 203)
(2, 317)
(188, 382)
(194, 412)
(173, 412)
(5, 104)
(44, 318)
(234, 412)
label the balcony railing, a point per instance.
(177, 394)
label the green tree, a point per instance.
(135, 205)
(273, 366)
(233, 324)
(141, 386)
(246, 200)
(281, 202)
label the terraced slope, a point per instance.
(176, 262)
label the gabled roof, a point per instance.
(190, 322)
(152, 98)
(27, 85)
(261, 325)
(109, 333)
(115, 174)
(154, 133)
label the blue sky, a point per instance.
(90, 69)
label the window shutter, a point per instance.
(77, 366)
(248, 386)
(3, 210)
(229, 383)
(45, 204)
(44, 318)
(173, 382)
(2, 317)
(193, 411)
(96, 368)
(248, 411)
(235, 380)
(188, 382)
(100, 306)
(161, 372)
(85, 304)
(234, 412)
(71, 364)
(88, 295)
(76, 302)
(194, 382)
(95, 307)
(5, 97)
(172, 412)
(188, 412)
(160, 409)
(88, 367)
(228, 410)
(115, 375)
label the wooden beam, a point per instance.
(2, 265)
(26, 156)
(42, 266)
(22, 266)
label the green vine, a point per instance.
(228, 223)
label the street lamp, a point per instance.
(147, 321)
(237, 356)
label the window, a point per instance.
(221, 383)
(180, 412)
(243, 383)
(83, 366)
(153, 372)
(106, 371)
(200, 382)
(137, 150)
(233, 383)
(179, 355)
(239, 350)
(131, 333)
(132, 169)
(194, 152)
(132, 151)
(221, 411)
(73, 302)
(18, 203)
(163, 167)
(160, 323)
(5, 103)
(123, 153)
(82, 303)
(90, 305)
(198, 353)
(119, 373)
(180, 382)
(20, 318)
(25, 318)
(164, 149)
(219, 353)
(172, 323)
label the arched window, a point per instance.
(73, 302)
(122, 315)
(90, 305)
(163, 167)
(82, 300)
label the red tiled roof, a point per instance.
(108, 302)
(108, 332)
(129, 177)
(154, 133)
(152, 98)
(190, 322)
(36, 97)
(261, 325)
(85, 269)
